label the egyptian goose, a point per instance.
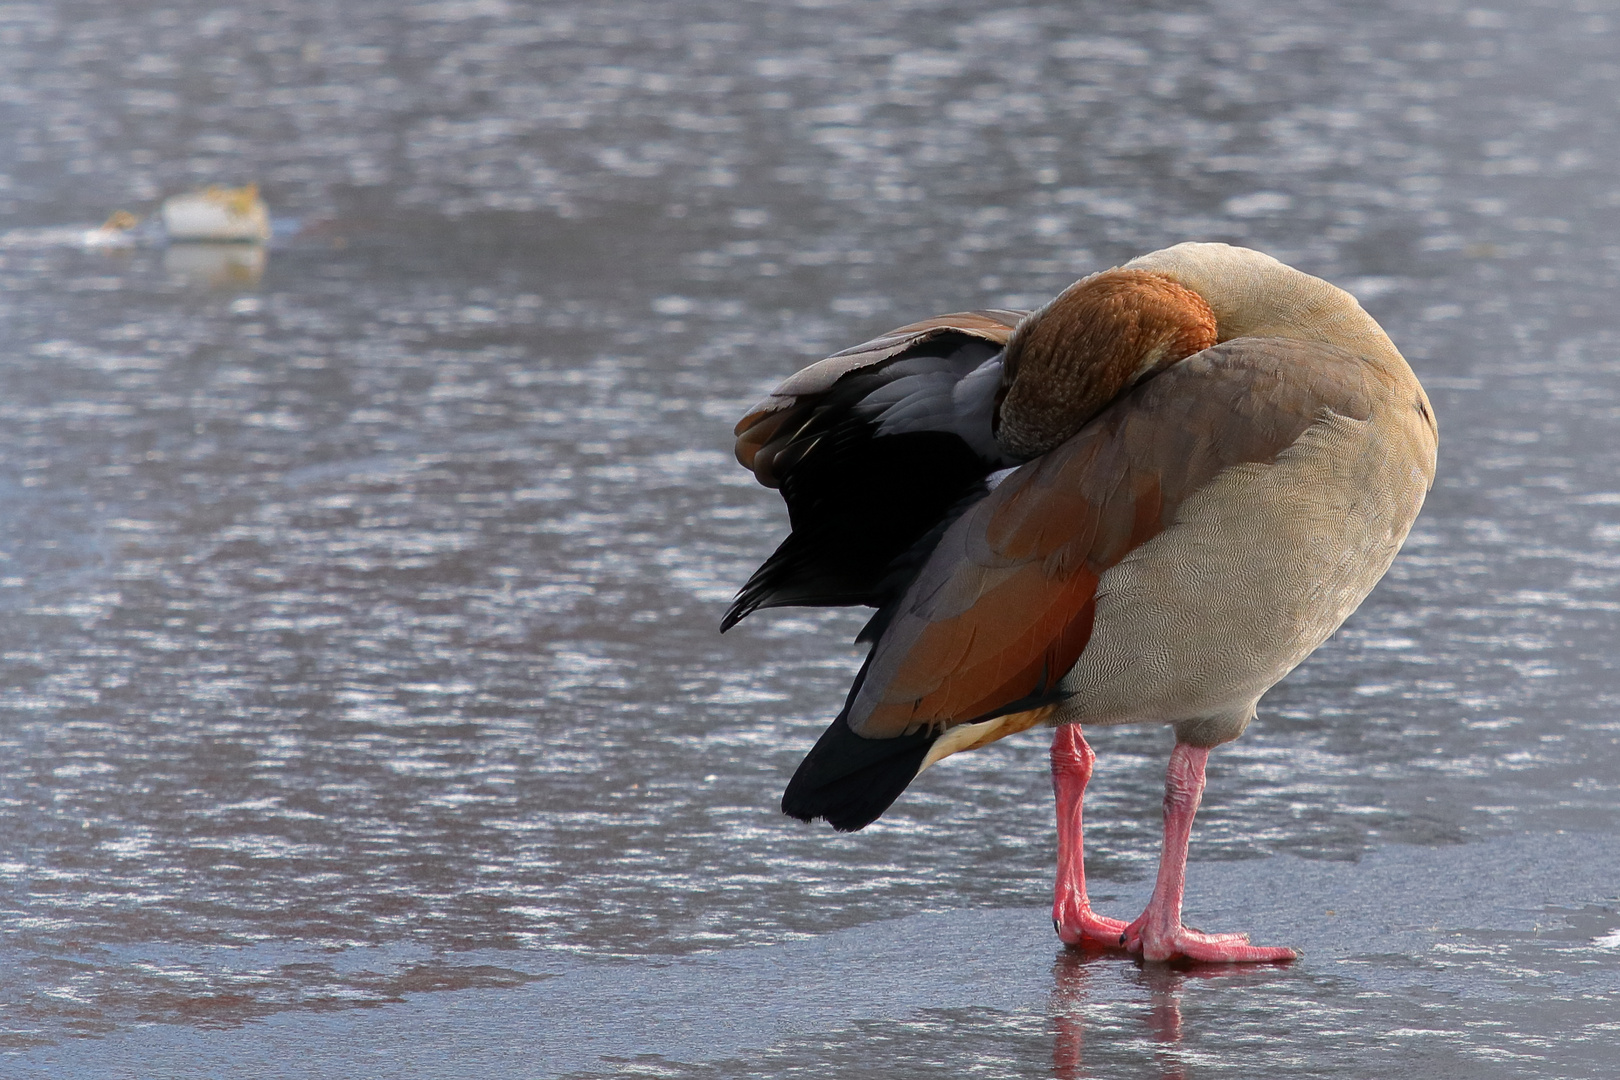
(1145, 502)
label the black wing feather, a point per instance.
(860, 501)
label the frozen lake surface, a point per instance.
(1501, 979)
(362, 709)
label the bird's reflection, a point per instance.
(1164, 1018)
(1075, 976)
(1068, 994)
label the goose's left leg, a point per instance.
(1072, 916)
(1157, 934)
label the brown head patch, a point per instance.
(1101, 336)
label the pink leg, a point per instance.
(1157, 934)
(1072, 916)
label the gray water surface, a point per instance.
(361, 689)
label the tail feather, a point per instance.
(851, 780)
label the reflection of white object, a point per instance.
(215, 266)
(217, 213)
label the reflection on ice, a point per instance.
(1394, 949)
(1155, 1021)
(216, 266)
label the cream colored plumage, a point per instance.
(1273, 557)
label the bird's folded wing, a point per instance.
(1003, 607)
(772, 425)
(873, 449)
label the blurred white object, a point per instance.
(217, 213)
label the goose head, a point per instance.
(1102, 335)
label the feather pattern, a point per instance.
(1005, 605)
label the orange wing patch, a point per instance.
(1015, 642)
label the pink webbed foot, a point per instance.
(1168, 943)
(1077, 924)
(1158, 933)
